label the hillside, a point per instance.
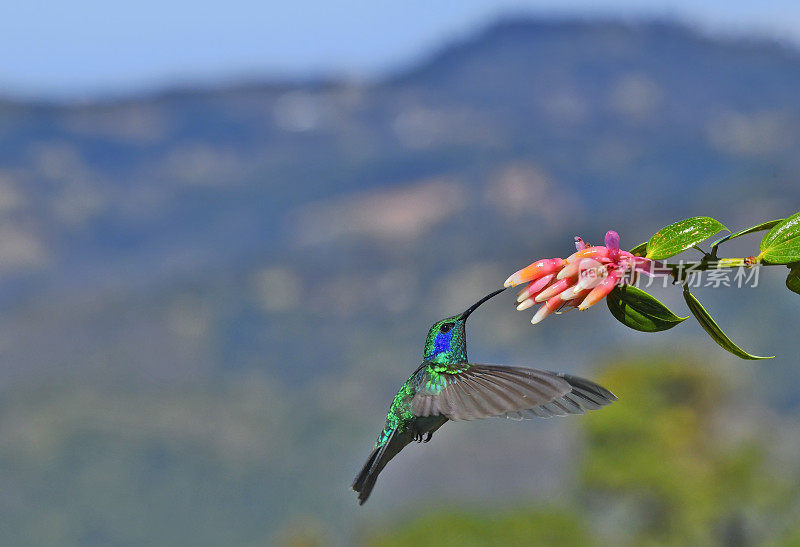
(198, 285)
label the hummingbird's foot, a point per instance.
(418, 436)
(428, 436)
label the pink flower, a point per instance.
(538, 269)
(580, 281)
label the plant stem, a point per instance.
(682, 270)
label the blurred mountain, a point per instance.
(209, 296)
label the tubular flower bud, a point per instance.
(572, 269)
(547, 308)
(525, 304)
(536, 270)
(600, 291)
(575, 302)
(592, 273)
(590, 252)
(534, 287)
(571, 293)
(580, 281)
(555, 289)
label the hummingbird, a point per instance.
(446, 386)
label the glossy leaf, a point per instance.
(793, 280)
(781, 245)
(640, 311)
(757, 228)
(713, 330)
(682, 235)
(639, 250)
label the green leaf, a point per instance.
(713, 330)
(793, 281)
(682, 235)
(781, 245)
(640, 311)
(639, 250)
(757, 228)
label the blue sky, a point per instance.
(55, 48)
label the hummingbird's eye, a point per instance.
(445, 327)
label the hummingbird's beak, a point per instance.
(475, 306)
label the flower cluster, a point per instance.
(580, 281)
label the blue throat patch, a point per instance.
(441, 343)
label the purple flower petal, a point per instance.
(612, 244)
(612, 240)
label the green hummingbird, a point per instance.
(446, 386)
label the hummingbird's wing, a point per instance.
(472, 391)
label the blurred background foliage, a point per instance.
(209, 297)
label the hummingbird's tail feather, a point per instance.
(358, 483)
(365, 480)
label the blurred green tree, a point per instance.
(458, 528)
(658, 459)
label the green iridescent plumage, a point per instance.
(447, 387)
(447, 341)
(441, 360)
(400, 415)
